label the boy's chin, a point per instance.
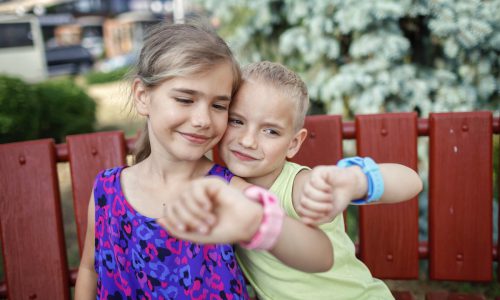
(242, 171)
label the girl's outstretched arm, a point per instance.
(210, 211)
(86, 280)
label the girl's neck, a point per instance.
(167, 170)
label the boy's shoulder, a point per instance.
(291, 172)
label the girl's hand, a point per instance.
(328, 191)
(211, 211)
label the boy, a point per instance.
(265, 128)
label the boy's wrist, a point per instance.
(361, 186)
(374, 180)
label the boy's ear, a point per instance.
(296, 142)
(141, 97)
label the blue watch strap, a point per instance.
(372, 173)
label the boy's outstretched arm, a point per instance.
(325, 191)
(210, 211)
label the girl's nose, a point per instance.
(201, 117)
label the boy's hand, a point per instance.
(211, 211)
(328, 191)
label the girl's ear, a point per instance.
(141, 97)
(296, 142)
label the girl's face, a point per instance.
(187, 116)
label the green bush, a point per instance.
(19, 110)
(65, 109)
(103, 77)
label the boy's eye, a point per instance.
(219, 106)
(271, 131)
(183, 100)
(234, 121)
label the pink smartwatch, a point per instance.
(272, 221)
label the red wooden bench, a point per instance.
(459, 248)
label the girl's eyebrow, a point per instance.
(198, 93)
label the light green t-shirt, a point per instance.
(348, 279)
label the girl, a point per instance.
(186, 77)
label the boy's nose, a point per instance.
(248, 140)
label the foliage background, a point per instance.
(375, 56)
(50, 109)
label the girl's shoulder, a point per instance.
(221, 171)
(111, 171)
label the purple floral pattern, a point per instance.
(135, 258)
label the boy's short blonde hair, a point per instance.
(285, 81)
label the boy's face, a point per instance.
(260, 134)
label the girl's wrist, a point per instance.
(253, 218)
(271, 223)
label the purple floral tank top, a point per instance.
(135, 258)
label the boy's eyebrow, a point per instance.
(198, 93)
(276, 125)
(267, 124)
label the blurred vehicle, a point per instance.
(95, 45)
(74, 59)
(21, 48)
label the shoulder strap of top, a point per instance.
(223, 172)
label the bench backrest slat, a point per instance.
(89, 154)
(460, 196)
(32, 233)
(389, 233)
(323, 145)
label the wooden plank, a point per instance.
(34, 251)
(401, 295)
(444, 295)
(323, 145)
(89, 154)
(498, 213)
(460, 196)
(389, 233)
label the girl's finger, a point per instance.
(186, 218)
(196, 204)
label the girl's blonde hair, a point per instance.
(173, 50)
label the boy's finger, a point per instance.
(320, 183)
(316, 195)
(314, 214)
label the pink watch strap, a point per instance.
(272, 221)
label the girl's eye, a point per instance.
(184, 100)
(271, 131)
(234, 121)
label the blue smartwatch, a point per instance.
(372, 173)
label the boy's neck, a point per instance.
(265, 181)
